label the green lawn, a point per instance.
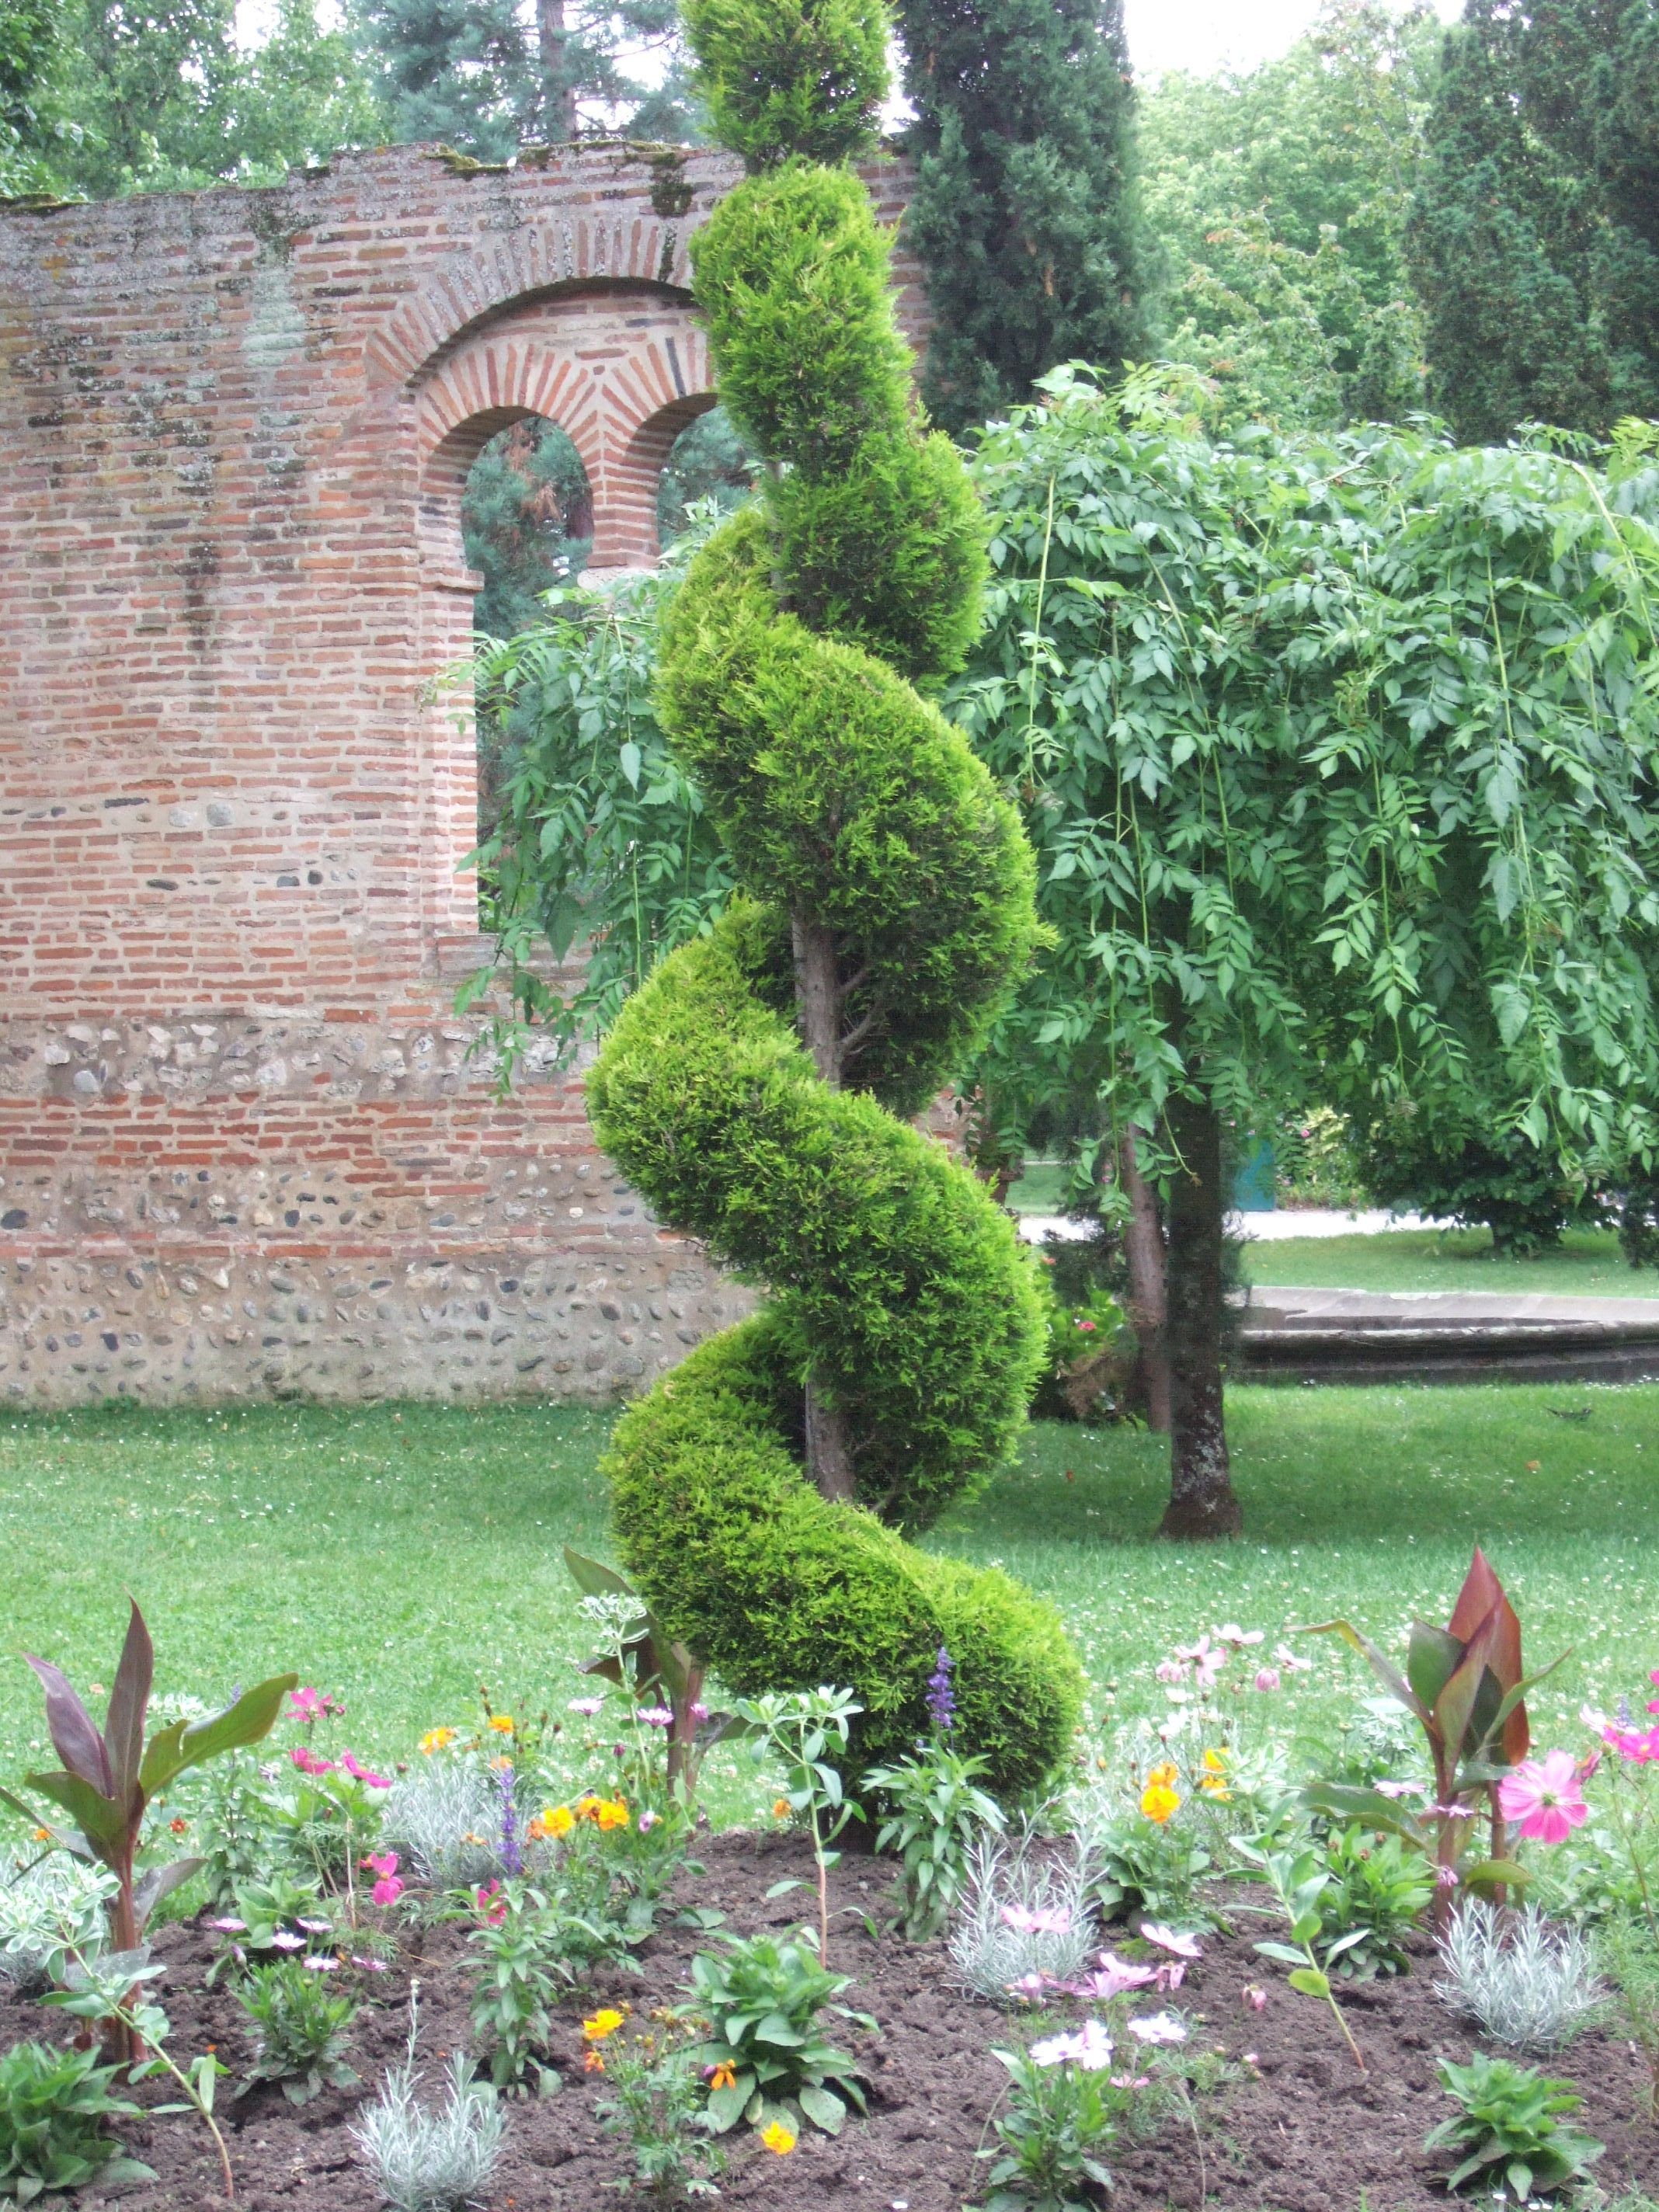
(1587, 1265)
(401, 1555)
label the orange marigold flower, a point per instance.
(612, 1814)
(592, 2062)
(437, 1739)
(602, 2023)
(781, 1808)
(724, 2075)
(501, 1722)
(178, 1826)
(1159, 1803)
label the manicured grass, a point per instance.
(403, 1554)
(1587, 1266)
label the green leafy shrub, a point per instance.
(904, 1313)
(1062, 2112)
(300, 2026)
(523, 1968)
(55, 2109)
(764, 2055)
(937, 1810)
(1378, 1891)
(1509, 2130)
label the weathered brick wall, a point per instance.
(245, 1145)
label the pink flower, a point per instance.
(1267, 1678)
(587, 1706)
(1171, 1670)
(370, 1965)
(656, 1716)
(1167, 1939)
(1291, 1660)
(1114, 1976)
(387, 1890)
(307, 1761)
(1208, 1659)
(382, 1862)
(362, 1773)
(1545, 1795)
(1397, 1789)
(1254, 1995)
(491, 1903)
(305, 1705)
(285, 1939)
(1237, 1637)
(229, 1927)
(1088, 2046)
(647, 1821)
(1638, 1748)
(318, 1965)
(1036, 1920)
(1160, 2027)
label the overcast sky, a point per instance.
(1202, 34)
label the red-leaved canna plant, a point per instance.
(1465, 1686)
(109, 1777)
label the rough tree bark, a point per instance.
(817, 998)
(1143, 1244)
(1201, 1499)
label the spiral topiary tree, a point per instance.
(754, 1088)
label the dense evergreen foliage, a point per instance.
(752, 1087)
(1536, 233)
(1024, 214)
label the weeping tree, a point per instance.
(1338, 757)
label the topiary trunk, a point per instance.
(757, 1088)
(1201, 1499)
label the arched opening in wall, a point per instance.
(707, 460)
(526, 526)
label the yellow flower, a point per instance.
(587, 1808)
(1164, 1776)
(558, 1820)
(1213, 1780)
(501, 1722)
(781, 1808)
(725, 2075)
(601, 2024)
(613, 1813)
(437, 1739)
(1158, 1801)
(43, 1835)
(779, 2138)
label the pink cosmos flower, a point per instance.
(307, 1761)
(1637, 1748)
(1545, 1795)
(1167, 1939)
(1160, 2027)
(1237, 1637)
(1292, 1660)
(491, 1903)
(380, 1863)
(1208, 1659)
(1037, 1920)
(1268, 1678)
(305, 1705)
(1088, 2046)
(387, 1890)
(361, 1774)
(1171, 1670)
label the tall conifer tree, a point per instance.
(1024, 212)
(1534, 235)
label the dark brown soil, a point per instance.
(1300, 2129)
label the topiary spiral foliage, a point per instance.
(853, 810)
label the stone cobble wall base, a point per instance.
(245, 1145)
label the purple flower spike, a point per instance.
(941, 1699)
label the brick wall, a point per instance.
(245, 1145)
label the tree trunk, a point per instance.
(553, 47)
(1143, 1244)
(817, 998)
(1201, 1500)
